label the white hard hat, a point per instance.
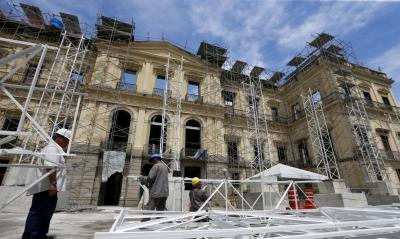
(65, 133)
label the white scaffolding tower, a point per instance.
(55, 106)
(361, 128)
(257, 125)
(320, 136)
(172, 106)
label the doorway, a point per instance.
(191, 172)
(112, 190)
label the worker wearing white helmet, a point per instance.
(44, 193)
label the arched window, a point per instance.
(119, 131)
(155, 134)
(193, 137)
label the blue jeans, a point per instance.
(38, 220)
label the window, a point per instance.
(367, 96)
(155, 134)
(275, 114)
(235, 176)
(160, 85)
(10, 124)
(229, 98)
(193, 138)
(128, 81)
(193, 91)
(303, 153)
(398, 136)
(3, 170)
(119, 131)
(233, 155)
(193, 88)
(398, 172)
(296, 111)
(281, 154)
(386, 102)
(386, 145)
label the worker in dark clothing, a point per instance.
(197, 195)
(157, 182)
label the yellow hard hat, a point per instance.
(195, 181)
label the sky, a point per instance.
(260, 32)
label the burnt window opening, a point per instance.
(233, 154)
(386, 102)
(386, 146)
(296, 111)
(119, 131)
(367, 96)
(281, 154)
(10, 124)
(398, 173)
(155, 134)
(191, 172)
(304, 156)
(3, 170)
(193, 92)
(275, 113)
(229, 98)
(235, 176)
(193, 137)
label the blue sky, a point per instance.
(264, 33)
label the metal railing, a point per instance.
(126, 87)
(194, 98)
(160, 92)
(189, 152)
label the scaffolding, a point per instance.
(93, 78)
(340, 61)
(321, 139)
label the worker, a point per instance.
(44, 193)
(157, 182)
(197, 195)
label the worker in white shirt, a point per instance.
(44, 193)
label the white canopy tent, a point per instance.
(286, 172)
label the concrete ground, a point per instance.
(77, 225)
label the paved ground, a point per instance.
(78, 225)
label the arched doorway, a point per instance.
(113, 189)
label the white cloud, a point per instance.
(248, 27)
(389, 62)
(337, 18)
